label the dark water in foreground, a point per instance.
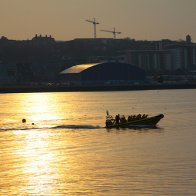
(68, 152)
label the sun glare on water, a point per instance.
(37, 166)
(39, 161)
(40, 107)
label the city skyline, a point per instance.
(66, 20)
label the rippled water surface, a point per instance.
(67, 151)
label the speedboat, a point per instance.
(138, 121)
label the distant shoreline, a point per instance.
(36, 89)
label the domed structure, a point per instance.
(103, 72)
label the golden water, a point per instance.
(67, 151)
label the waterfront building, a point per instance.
(103, 73)
(180, 56)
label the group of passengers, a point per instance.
(121, 119)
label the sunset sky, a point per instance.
(65, 19)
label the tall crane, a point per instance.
(114, 32)
(94, 24)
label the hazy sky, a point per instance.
(65, 19)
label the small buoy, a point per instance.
(24, 120)
(32, 123)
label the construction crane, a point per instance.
(94, 24)
(114, 32)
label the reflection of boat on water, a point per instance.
(146, 121)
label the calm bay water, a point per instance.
(68, 152)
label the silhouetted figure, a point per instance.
(138, 116)
(123, 119)
(117, 119)
(129, 118)
(24, 120)
(144, 116)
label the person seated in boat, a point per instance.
(129, 118)
(144, 116)
(139, 116)
(117, 119)
(123, 119)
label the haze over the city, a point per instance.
(65, 19)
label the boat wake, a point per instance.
(72, 127)
(77, 127)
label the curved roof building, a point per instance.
(102, 72)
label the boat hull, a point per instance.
(146, 122)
